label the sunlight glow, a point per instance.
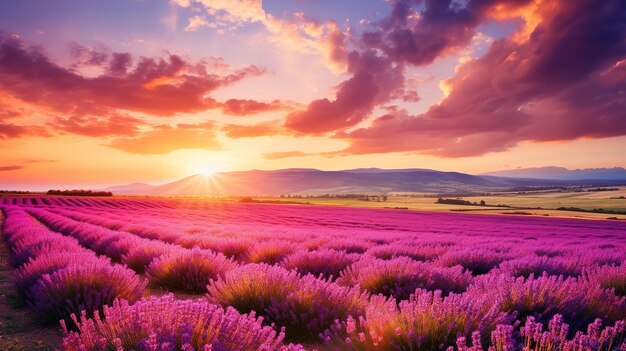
(207, 171)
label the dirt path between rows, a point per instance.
(18, 329)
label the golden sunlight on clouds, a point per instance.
(531, 14)
(160, 81)
(446, 87)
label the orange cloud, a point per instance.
(284, 154)
(251, 131)
(114, 125)
(10, 168)
(243, 107)
(164, 139)
(530, 12)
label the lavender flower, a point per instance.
(188, 270)
(400, 277)
(87, 287)
(163, 323)
(325, 262)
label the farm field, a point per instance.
(548, 201)
(168, 274)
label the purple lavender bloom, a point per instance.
(163, 323)
(86, 287)
(188, 270)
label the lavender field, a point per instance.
(173, 274)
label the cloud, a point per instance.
(418, 32)
(239, 11)
(374, 81)
(84, 56)
(292, 32)
(9, 113)
(560, 76)
(40, 160)
(11, 131)
(164, 139)
(407, 36)
(243, 107)
(119, 63)
(8, 130)
(155, 86)
(10, 110)
(285, 154)
(196, 22)
(334, 44)
(181, 3)
(10, 168)
(114, 125)
(565, 80)
(251, 131)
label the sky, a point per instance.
(109, 92)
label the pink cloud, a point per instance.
(405, 37)
(572, 89)
(156, 86)
(374, 82)
(244, 107)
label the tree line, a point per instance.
(79, 192)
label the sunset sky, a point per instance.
(110, 92)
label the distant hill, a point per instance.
(560, 173)
(134, 188)
(304, 181)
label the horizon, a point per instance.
(124, 91)
(210, 174)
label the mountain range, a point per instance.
(305, 181)
(560, 173)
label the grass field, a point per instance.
(519, 203)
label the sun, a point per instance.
(207, 171)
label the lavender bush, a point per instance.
(325, 262)
(427, 321)
(188, 270)
(399, 277)
(86, 287)
(163, 323)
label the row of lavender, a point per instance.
(51, 265)
(434, 289)
(62, 280)
(406, 277)
(80, 202)
(332, 218)
(308, 250)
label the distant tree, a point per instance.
(79, 192)
(455, 202)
